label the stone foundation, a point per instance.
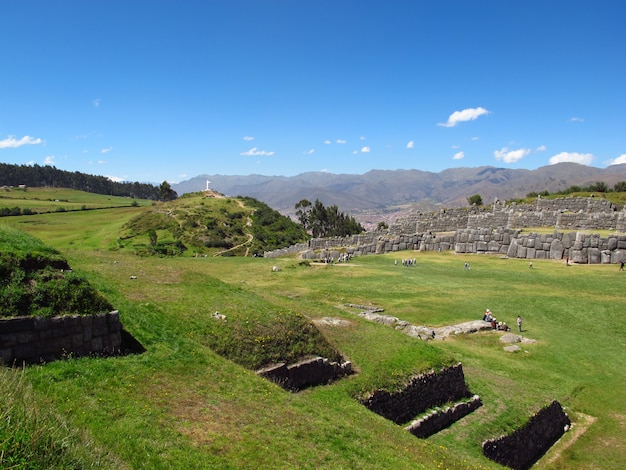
(34, 339)
(521, 449)
(438, 420)
(312, 372)
(423, 392)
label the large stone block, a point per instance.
(556, 249)
(593, 256)
(567, 240)
(578, 256)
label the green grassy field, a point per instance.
(41, 200)
(181, 405)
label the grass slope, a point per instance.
(41, 200)
(181, 405)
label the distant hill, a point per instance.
(49, 176)
(383, 191)
(209, 223)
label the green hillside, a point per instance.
(192, 400)
(15, 201)
(202, 224)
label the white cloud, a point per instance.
(410, 145)
(254, 152)
(541, 148)
(49, 160)
(573, 157)
(456, 146)
(365, 150)
(101, 162)
(576, 119)
(96, 102)
(248, 138)
(474, 138)
(310, 152)
(468, 114)
(11, 142)
(106, 150)
(115, 179)
(617, 161)
(362, 137)
(458, 156)
(341, 141)
(510, 156)
(327, 142)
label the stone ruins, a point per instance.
(498, 230)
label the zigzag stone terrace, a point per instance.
(497, 230)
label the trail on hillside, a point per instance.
(247, 243)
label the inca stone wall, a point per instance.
(438, 420)
(570, 213)
(312, 372)
(578, 247)
(34, 339)
(495, 231)
(423, 392)
(521, 449)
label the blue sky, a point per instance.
(167, 90)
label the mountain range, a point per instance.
(380, 192)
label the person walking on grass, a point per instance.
(519, 323)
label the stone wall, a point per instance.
(578, 247)
(438, 420)
(521, 449)
(569, 213)
(423, 392)
(312, 372)
(431, 231)
(35, 339)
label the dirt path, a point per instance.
(247, 243)
(567, 440)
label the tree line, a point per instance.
(597, 187)
(325, 221)
(50, 176)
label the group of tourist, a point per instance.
(342, 258)
(500, 325)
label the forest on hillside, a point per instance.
(50, 176)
